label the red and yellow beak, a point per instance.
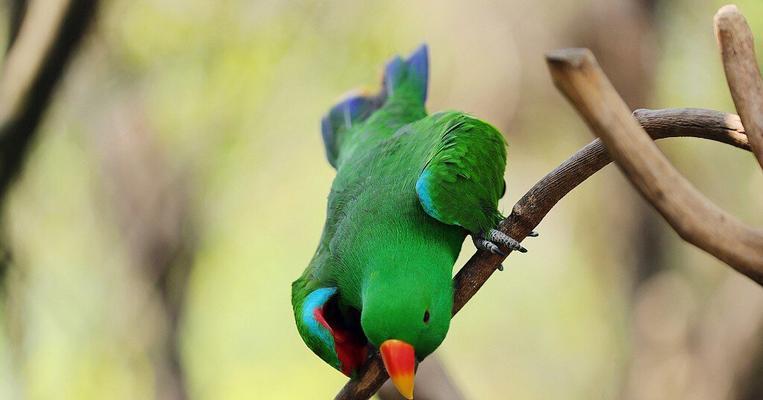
(400, 361)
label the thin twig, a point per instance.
(742, 72)
(695, 218)
(538, 201)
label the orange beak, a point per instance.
(400, 361)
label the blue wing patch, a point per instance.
(424, 197)
(313, 301)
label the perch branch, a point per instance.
(695, 218)
(742, 72)
(538, 201)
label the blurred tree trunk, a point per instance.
(43, 37)
(753, 390)
(622, 35)
(150, 203)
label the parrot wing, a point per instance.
(462, 179)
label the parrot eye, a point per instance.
(426, 316)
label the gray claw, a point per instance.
(497, 236)
(487, 245)
(500, 267)
(533, 234)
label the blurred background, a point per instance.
(178, 186)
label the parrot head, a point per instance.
(406, 316)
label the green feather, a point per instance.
(408, 189)
(463, 177)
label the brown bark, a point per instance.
(695, 218)
(742, 72)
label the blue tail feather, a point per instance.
(414, 70)
(342, 117)
(356, 109)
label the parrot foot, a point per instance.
(491, 240)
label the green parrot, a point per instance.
(409, 188)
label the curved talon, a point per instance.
(497, 236)
(533, 234)
(500, 267)
(487, 245)
(491, 240)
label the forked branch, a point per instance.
(538, 201)
(695, 218)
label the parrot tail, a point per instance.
(412, 73)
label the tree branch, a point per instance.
(43, 36)
(742, 72)
(541, 198)
(17, 9)
(695, 218)
(48, 36)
